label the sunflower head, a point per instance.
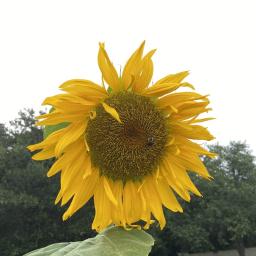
(132, 146)
(129, 147)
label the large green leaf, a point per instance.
(113, 241)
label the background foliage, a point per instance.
(224, 218)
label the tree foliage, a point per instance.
(28, 217)
(224, 218)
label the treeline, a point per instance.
(224, 218)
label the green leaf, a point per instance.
(109, 90)
(52, 128)
(113, 241)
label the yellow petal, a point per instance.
(51, 140)
(85, 89)
(166, 85)
(83, 195)
(191, 109)
(192, 162)
(84, 84)
(185, 179)
(183, 142)
(195, 132)
(72, 152)
(108, 191)
(73, 133)
(175, 98)
(127, 202)
(173, 78)
(137, 201)
(55, 168)
(154, 200)
(71, 178)
(44, 154)
(58, 197)
(200, 120)
(57, 117)
(132, 66)
(168, 198)
(170, 176)
(117, 212)
(67, 98)
(132, 202)
(144, 74)
(74, 172)
(102, 208)
(158, 90)
(112, 112)
(107, 69)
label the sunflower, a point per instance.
(128, 145)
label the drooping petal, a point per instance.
(117, 211)
(109, 191)
(131, 202)
(102, 208)
(112, 112)
(154, 201)
(82, 195)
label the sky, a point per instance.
(44, 43)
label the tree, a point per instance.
(230, 205)
(28, 217)
(225, 217)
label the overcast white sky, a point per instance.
(43, 43)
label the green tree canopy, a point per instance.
(225, 217)
(28, 217)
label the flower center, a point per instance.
(132, 149)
